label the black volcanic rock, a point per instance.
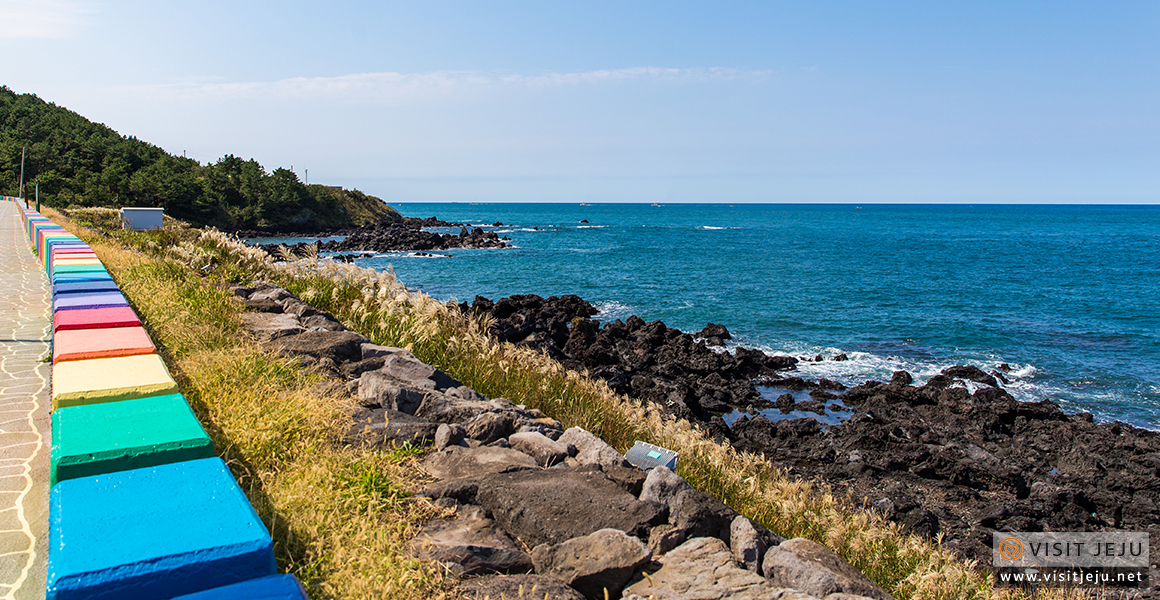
(649, 361)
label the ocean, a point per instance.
(1066, 296)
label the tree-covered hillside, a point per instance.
(81, 163)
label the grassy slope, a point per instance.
(324, 503)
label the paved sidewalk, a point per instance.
(25, 436)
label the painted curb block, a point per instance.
(94, 318)
(275, 587)
(83, 287)
(93, 276)
(108, 342)
(153, 533)
(98, 380)
(120, 436)
(90, 300)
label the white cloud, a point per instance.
(42, 19)
(391, 87)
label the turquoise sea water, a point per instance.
(1066, 295)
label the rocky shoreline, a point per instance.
(957, 456)
(404, 235)
(529, 505)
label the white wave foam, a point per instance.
(710, 228)
(612, 310)
(591, 226)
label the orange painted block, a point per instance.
(83, 344)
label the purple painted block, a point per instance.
(90, 300)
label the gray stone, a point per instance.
(538, 446)
(701, 515)
(269, 326)
(489, 427)
(297, 307)
(597, 565)
(455, 462)
(354, 370)
(661, 486)
(846, 597)
(470, 544)
(322, 322)
(550, 506)
(664, 538)
(417, 373)
(273, 293)
(592, 450)
(814, 569)
(465, 393)
(442, 408)
(449, 435)
(746, 543)
(339, 346)
(375, 351)
(703, 568)
(516, 587)
(629, 478)
(385, 428)
(377, 388)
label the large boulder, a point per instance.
(491, 426)
(701, 515)
(378, 388)
(704, 568)
(592, 450)
(339, 346)
(270, 326)
(384, 428)
(414, 372)
(597, 565)
(805, 565)
(550, 506)
(661, 486)
(516, 587)
(445, 408)
(470, 544)
(455, 462)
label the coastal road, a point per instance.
(25, 372)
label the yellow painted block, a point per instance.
(81, 382)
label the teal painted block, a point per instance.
(93, 439)
(275, 587)
(153, 533)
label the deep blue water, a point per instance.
(1066, 295)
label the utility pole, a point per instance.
(37, 196)
(307, 176)
(22, 149)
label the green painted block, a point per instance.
(96, 439)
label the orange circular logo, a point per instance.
(1010, 549)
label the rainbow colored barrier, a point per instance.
(140, 507)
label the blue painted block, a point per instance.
(153, 533)
(84, 287)
(277, 587)
(92, 300)
(74, 277)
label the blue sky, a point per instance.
(977, 102)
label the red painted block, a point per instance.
(94, 318)
(83, 344)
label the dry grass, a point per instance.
(378, 306)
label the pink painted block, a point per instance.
(83, 344)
